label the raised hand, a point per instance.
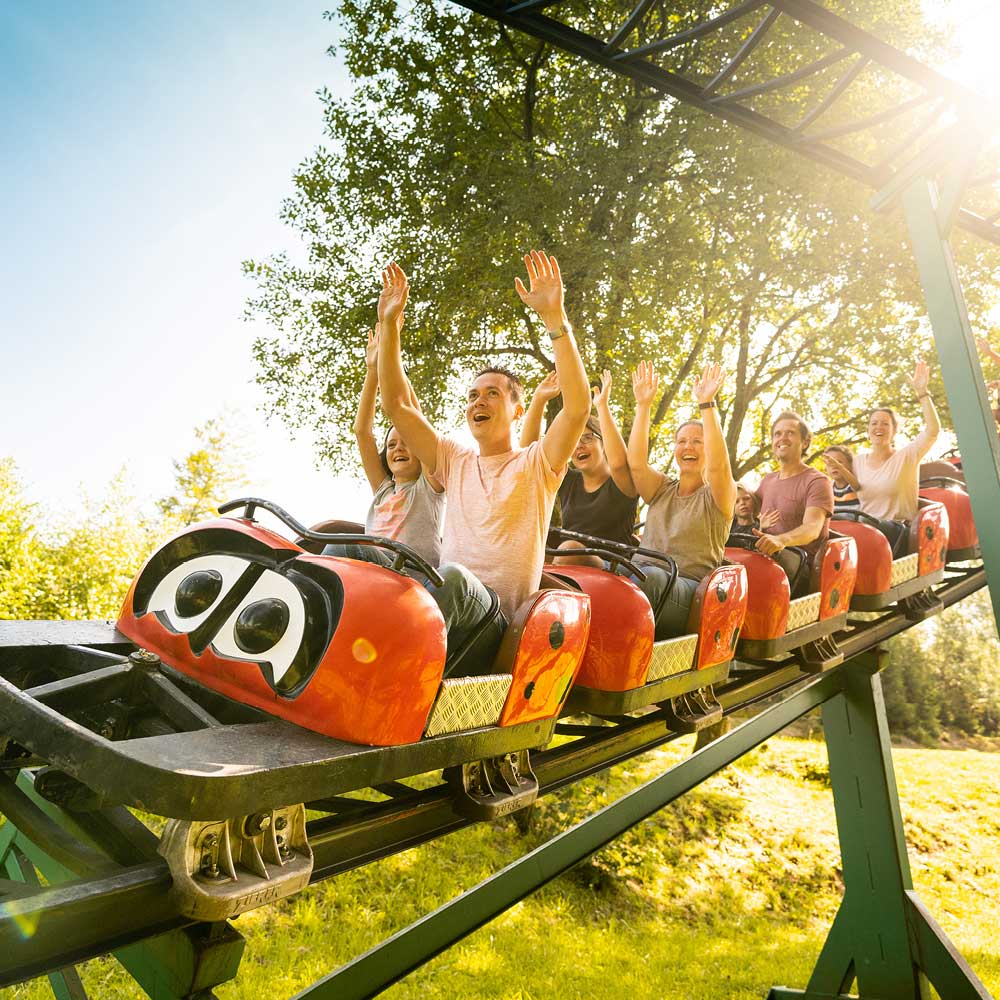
(545, 291)
(548, 388)
(395, 291)
(834, 466)
(645, 383)
(709, 383)
(921, 376)
(602, 393)
(371, 350)
(768, 519)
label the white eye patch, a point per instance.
(276, 602)
(189, 593)
(267, 626)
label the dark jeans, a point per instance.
(464, 602)
(672, 617)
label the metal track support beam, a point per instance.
(882, 937)
(174, 964)
(930, 216)
(377, 969)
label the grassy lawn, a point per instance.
(723, 894)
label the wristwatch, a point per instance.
(707, 406)
(560, 331)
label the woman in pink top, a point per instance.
(887, 478)
(408, 504)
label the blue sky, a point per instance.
(146, 148)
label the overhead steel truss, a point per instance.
(813, 106)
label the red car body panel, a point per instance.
(375, 661)
(717, 615)
(930, 529)
(838, 570)
(621, 629)
(874, 575)
(550, 648)
(768, 594)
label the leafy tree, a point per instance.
(207, 476)
(16, 544)
(681, 238)
(81, 565)
(942, 676)
(85, 564)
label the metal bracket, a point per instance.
(821, 654)
(693, 711)
(922, 605)
(222, 868)
(486, 789)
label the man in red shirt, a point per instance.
(800, 499)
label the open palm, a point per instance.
(395, 291)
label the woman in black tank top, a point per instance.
(597, 497)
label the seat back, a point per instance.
(928, 536)
(835, 569)
(329, 528)
(621, 629)
(940, 470)
(542, 649)
(717, 613)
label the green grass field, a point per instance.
(723, 894)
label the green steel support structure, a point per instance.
(181, 963)
(882, 935)
(883, 940)
(930, 221)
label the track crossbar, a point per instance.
(414, 946)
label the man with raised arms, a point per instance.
(499, 497)
(797, 498)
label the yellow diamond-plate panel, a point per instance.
(468, 703)
(672, 656)
(904, 569)
(803, 611)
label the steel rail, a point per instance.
(87, 918)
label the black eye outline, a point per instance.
(320, 586)
(238, 577)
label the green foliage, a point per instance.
(943, 675)
(83, 566)
(207, 476)
(16, 544)
(80, 566)
(681, 238)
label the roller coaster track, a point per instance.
(120, 892)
